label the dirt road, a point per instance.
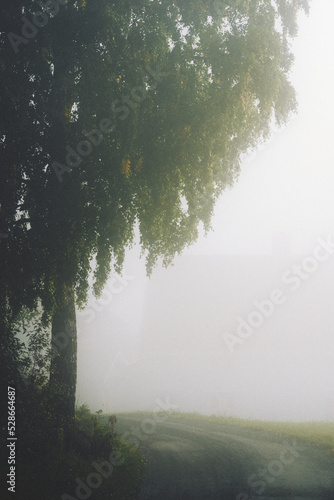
(191, 459)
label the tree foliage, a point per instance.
(174, 92)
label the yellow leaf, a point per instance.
(68, 114)
(126, 167)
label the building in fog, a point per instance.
(283, 366)
(209, 340)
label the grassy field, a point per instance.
(319, 433)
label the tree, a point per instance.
(122, 113)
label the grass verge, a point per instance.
(318, 433)
(96, 465)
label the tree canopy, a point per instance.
(117, 113)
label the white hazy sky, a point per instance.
(287, 186)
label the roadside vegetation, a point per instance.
(89, 461)
(92, 462)
(54, 459)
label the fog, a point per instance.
(242, 324)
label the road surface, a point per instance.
(192, 459)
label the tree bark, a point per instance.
(63, 370)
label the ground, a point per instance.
(193, 459)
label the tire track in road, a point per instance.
(191, 459)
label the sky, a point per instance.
(174, 336)
(287, 185)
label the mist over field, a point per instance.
(208, 335)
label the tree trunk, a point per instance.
(63, 371)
